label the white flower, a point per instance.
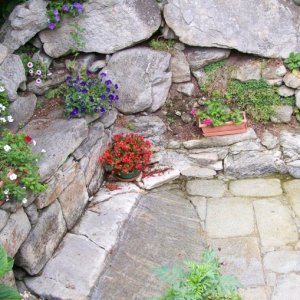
(7, 148)
(2, 89)
(2, 107)
(38, 72)
(10, 119)
(38, 81)
(33, 142)
(30, 65)
(6, 192)
(30, 72)
(3, 120)
(24, 201)
(13, 176)
(43, 151)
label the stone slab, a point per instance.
(206, 188)
(287, 285)
(275, 224)
(292, 189)
(229, 217)
(258, 293)
(256, 187)
(194, 171)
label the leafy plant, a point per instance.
(57, 92)
(18, 169)
(211, 71)
(162, 44)
(5, 116)
(89, 96)
(198, 281)
(217, 113)
(6, 264)
(293, 61)
(256, 97)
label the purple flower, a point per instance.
(55, 12)
(102, 74)
(88, 72)
(111, 97)
(107, 90)
(83, 83)
(66, 7)
(74, 112)
(57, 18)
(51, 26)
(102, 97)
(116, 86)
(78, 6)
(102, 109)
(108, 82)
(38, 81)
(82, 109)
(117, 98)
(91, 99)
(68, 78)
(84, 91)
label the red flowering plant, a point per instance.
(127, 153)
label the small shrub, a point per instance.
(57, 92)
(293, 61)
(198, 281)
(5, 116)
(162, 44)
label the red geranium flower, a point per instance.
(28, 138)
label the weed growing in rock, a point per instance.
(293, 61)
(5, 116)
(256, 98)
(87, 96)
(198, 281)
(162, 45)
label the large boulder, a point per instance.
(110, 25)
(24, 23)
(145, 84)
(258, 26)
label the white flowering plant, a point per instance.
(18, 167)
(5, 116)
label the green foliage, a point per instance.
(211, 71)
(217, 113)
(6, 264)
(57, 92)
(78, 37)
(4, 108)
(6, 7)
(256, 97)
(213, 67)
(17, 159)
(198, 281)
(293, 61)
(162, 44)
(34, 69)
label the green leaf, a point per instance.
(8, 293)
(6, 263)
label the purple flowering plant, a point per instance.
(87, 95)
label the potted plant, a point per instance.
(219, 119)
(127, 156)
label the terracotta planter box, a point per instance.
(228, 128)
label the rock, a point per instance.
(194, 171)
(72, 272)
(291, 80)
(220, 141)
(32, 214)
(179, 46)
(97, 65)
(287, 285)
(254, 163)
(148, 82)
(109, 117)
(186, 118)
(22, 110)
(24, 23)
(43, 239)
(156, 180)
(173, 144)
(298, 98)
(168, 33)
(294, 168)
(3, 218)
(292, 189)
(284, 261)
(274, 71)
(42, 58)
(282, 114)
(59, 138)
(284, 91)
(57, 78)
(256, 188)
(186, 89)
(12, 75)
(290, 144)
(103, 22)
(205, 24)
(206, 188)
(200, 57)
(249, 145)
(15, 232)
(81, 64)
(3, 53)
(274, 82)
(204, 158)
(249, 70)
(180, 68)
(224, 218)
(111, 215)
(269, 140)
(254, 293)
(275, 224)
(73, 200)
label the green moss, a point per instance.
(162, 45)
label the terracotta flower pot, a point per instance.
(227, 128)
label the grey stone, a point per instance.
(290, 144)
(109, 117)
(269, 140)
(24, 23)
(249, 70)
(229, 217)
(32, 214)
(292, 189)
(3, 218)
(282, 114)
(97, 65)
(43, 58)
(180, 68)
(274, 82)
(287, 285)
(221, 152)
(3, 53)
(275, 224)
(179, 46)
(250, 145)
(73, 200)
(81, 64)
(298, 98)
(103, 22)
(200, 203)
(72, 272)
(291, 80)
(12, 75)
(254, 293)
(43, 239)
(285, 91)
(147, 82)
(241, 258)
(186, 89)
(96, 181)
(57, 78)
(200, 57)
(253, 163)
(59, 138)
(186, 118)
(111, 215)
(195, 171)
(206, 188)
(294, 168)
(15, 232)
(284, 261)
(220, 141)
(274, 71)
(173, 144)
(204, 158)
(22, 110)
(202, 23)
(168, 33)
